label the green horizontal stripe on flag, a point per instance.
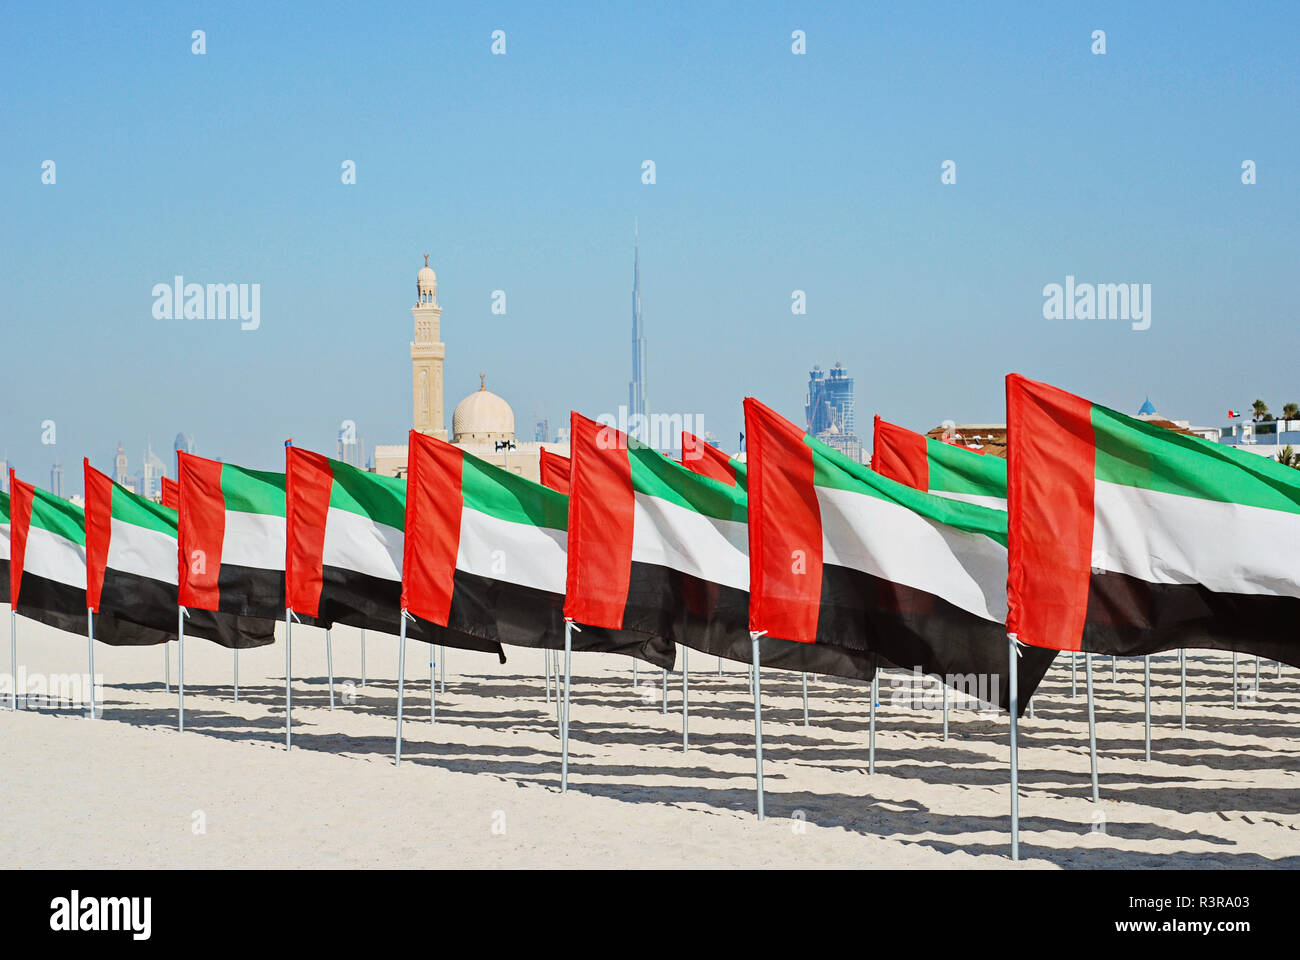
(489, 489)
(954, 470)
(833, 469)
(656, 475)
(141, 512)
(58, 516)
(1134, 453)
(382, 499)
(253, 491)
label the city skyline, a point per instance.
(931, 292)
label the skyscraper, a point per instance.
(829, 410)
(636, 403)
(56, 479)
(183, 444)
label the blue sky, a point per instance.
(522, 172)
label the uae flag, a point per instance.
(1130, 539)
(842, 556)
(555, 470)
(707, 460)
(171, 493)
(486, 553)
(232, 538)
(346, 540)
(4, 548)
(658, 548)
(131, 568)
(47, 568)
(944, 469)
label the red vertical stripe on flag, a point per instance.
(309, 480)
(899, 454)
(706, 460)
(554, 470)
(171, 494)
(785, 528)
(1051, 459)
(20, 518)
(99, 531)
(432, 540)
(601, 509)
(201, 534)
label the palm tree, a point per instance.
(1289, 457)
(1261, 410)
(1291, 411)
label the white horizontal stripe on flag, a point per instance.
(887, 540)
(993, 503)
(359, 544)
(518, 553)
(1167, 538)
(254, 540)
(141, 551)
(55, 558)
(676, 537)
(4, 541)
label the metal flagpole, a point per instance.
(805, 699)
(568, 676)
(1114, 671)
(1074, 676)
(13, 658)
(944, 687)
(167, 669)
(634, 681)
(1092, 727)
(401, 685)
(1013, 654)
(433, 690)
(90, 640)
(756, 684)
(288, 677)
(1147, 667)
(442, 669)
(1031, 708)
(329, 663)
(546, 660)
(1234, 679)
(686, 710)
(363, 658)
(1182, 668)
(180, 667)
(1257, 677)
(236, 674)
(559, 705)
(665, 706)
(875, 689)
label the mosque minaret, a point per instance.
(483, 423)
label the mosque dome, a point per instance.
(426, 282)
(482, 416)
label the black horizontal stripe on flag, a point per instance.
(1131, 617)
(63, 607)
(151, 603)
(714, 619)
(373, 603)
(910, 628)
(529, 617)
(254, 592)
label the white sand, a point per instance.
(480, 786)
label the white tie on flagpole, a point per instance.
(90, 640)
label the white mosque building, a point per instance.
(482, 424)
